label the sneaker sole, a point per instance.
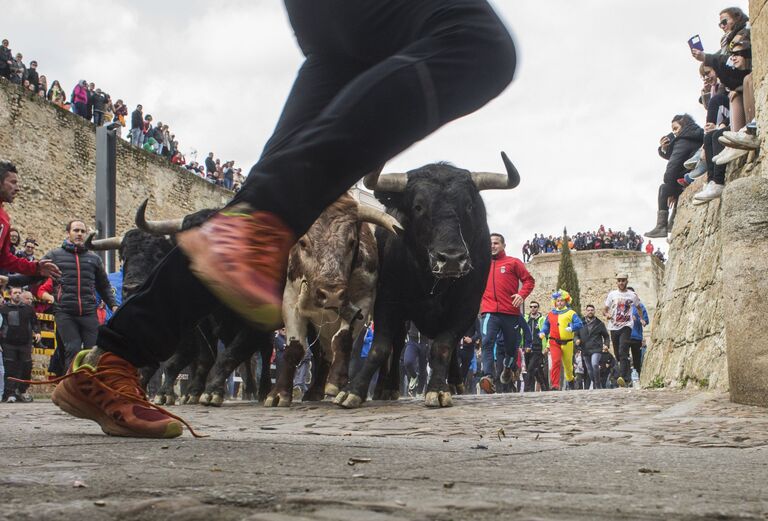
(64, 400)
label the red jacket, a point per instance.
(504, 280)
(9, 261)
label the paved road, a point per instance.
(614, 454)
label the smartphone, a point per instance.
(695, 43)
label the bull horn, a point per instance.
(168, 227)
(379, 218)
(491, 181)
(387, 183)
(110, 243)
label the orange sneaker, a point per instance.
(241, 255)
(486, 385)
(110, 395)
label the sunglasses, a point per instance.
(744, 53)
(723, 22)
(533, 306)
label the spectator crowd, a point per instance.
(97, 106)
(592, 240)
(730, 132)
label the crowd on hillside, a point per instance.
(730, 132)
(592, 240)
(97, 106)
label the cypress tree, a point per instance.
(566, 275)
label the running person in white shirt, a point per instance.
(618, 312)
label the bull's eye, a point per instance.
(417, 208)
(303, 244)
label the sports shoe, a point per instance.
(241, 255)
(620, 382)
(729, 154)
(412, 383)
(110, 394)
(11, 399)
(711, 191)
(486, 385)
(740, 139)
(692, 161)
(683, 181)
(506, 375)
(26, 398)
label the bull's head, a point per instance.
(324, 257)
(441, 209)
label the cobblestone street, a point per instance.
(614, 454)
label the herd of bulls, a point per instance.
(427, 263)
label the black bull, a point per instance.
(434, 274)
(140, 252)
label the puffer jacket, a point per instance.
(82, 275)
(679, 150)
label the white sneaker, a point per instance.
(740, 139)
(711, 191)
(729, 154)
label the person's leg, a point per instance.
(749, 98)
(491, 324)
(634, 346)
(12, 369)
(624, 369)
(69, 331)
(2, 374)
(25, 367)
(411, 360)
(568, 361)
(593, 366)
(556, 354)
(737, 111)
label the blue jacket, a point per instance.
(637, 328)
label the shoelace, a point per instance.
(133, 379)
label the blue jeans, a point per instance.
(2, 375)
(593, 368)
(510, 326)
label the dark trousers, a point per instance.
(534, 364)
(76, 333)
(620, 340)
(378, 76)
(712, 147)
(635, 346)
(415, 363)
(668, 190)
(18, 364)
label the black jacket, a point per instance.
(33, 77)
(82, 275)
(19, 323)
(99, 101)
(730, 77)
(593, 339)
(137, 119)
(680, 150)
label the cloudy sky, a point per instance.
(597, 85)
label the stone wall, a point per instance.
(711, 312)
(54, 151)
(597, 270)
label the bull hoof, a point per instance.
(278, 400)
(217, 400)
(460, 389)
(170, 399)
(192, 399)
(159, 399)
(438, 399)
(205, 399)
(348, 400)
(331, 389)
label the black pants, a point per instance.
(76, 333)
(667, 190)
(620, 340)
(378, 76)
(635, 346)
(712, 147)
(18, 364)
(534, 364)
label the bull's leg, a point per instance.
(438, 394)
(357, 390)
(282, 394)
(205, 360)
(341, 347)
(265, 380)
(455, 383)
(321, 366)
(146, 373)
(184, 356)
(250, 387)
(388, 385)
(238, 351)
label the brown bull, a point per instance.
(331, 284)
